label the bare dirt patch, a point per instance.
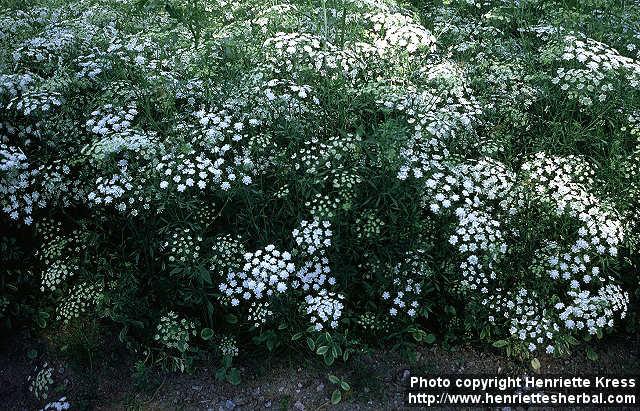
(378, 380)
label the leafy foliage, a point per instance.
(212, 178)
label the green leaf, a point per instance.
(500, 343)
(322, 350)
(535, 364)
(311, 344)
(297, 336)
(484, 333)
(430, 339)
(32, 354)
(571, 340)
(221, 374)
(234, 376)
(591, 354)
(231, 319)
(205, 276)
(206, 334)
(345, 386)
(336, 397)
(328, 359)
(334, 379)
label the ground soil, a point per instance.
(378, 380)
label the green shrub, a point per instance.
(218, 178)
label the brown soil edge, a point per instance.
(378, 380)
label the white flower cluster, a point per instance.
(562, 183)
(269, 272)
(295, 52)
(407, 279)
(370, 322)
(57, 273)
(265, 273)
(12, 160)
(46, 48)
(81, 298)
(24, 189)
(228, 346)
(316, 155)
(312, 239)
(632, 214)
(275, 98)
(60, 254)
(323, 207)
(122, 191)
(186, 171)
(485, 196)
(11, 85)
(434, 119)
(117, 135)
(227, 252)
(116, 49)
(59, 405)
(368, 226)
(345, 183)
(33, 102)
(596, 55)
(55, 245)
(592, 299)
(524, 314)
(406, 299)
(224, 125)
(582, 84)
(591, 68)
(469, 191)
(313, 236)
(182, 246)
(174, 332)
(40, 383)
(273, 16)
(109, 119)
(259, 313)
(294, 107)
(395, 32)
(325, 309)
(510, 95)
(15, 181)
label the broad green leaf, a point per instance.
(535, 364)
(336, 397)
(206, 334)
(500, 343)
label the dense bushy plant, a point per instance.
(205, 175)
